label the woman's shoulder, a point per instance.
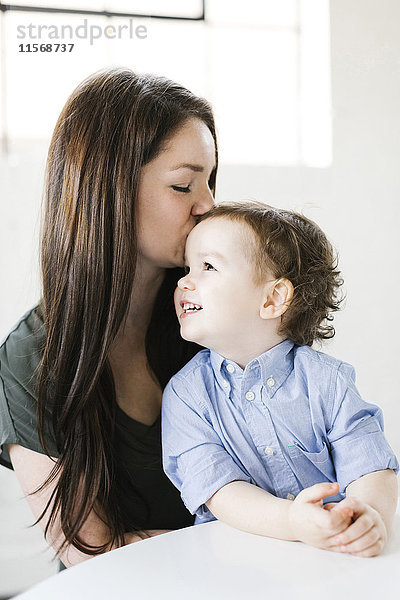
(22, 348)
(30, 323)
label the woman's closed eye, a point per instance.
(178, 188)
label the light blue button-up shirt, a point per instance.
(292, 418)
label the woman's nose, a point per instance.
(203, 204)
(186, 283)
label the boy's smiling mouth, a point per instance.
(189, 307)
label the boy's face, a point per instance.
(220, 284)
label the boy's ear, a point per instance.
(277, 297)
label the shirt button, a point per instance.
(290, 497)
(250, 396)
(269, 451)
(225, 383)
(230, 369)
(270, 381)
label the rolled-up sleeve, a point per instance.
(194, 457)
(358, 444)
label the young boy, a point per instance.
(260, 429)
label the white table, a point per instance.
(214, 561)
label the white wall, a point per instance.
(356, 201)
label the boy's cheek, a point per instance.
(177, 298)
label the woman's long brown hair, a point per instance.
(113, 123)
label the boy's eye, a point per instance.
(184, 190)
(208, 267)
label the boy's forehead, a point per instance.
(216, 227)
(219, 235)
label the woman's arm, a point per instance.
(254, 510)
(32, 469)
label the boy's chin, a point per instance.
(193, 339)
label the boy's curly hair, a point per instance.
(290, 246)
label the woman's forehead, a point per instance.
(191, 144)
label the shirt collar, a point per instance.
(275, 366)
(216, 362)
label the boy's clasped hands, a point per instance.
(350, 526)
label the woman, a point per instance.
(131, 164)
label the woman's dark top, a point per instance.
(148, 498)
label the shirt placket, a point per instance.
(255, 408)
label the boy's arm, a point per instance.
(254, 510)
(373, 498)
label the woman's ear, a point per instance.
(277, 297)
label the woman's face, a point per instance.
(173, 191)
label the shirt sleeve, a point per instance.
(358, 444)
(8, 434)
(194, 457)
(18, 408)
(19, 359)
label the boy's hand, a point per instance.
(314, 525)
(367, 535)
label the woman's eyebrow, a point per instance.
(196, 168)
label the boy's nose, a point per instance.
(185, 283)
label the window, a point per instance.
(263, 65)
(174, 8)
